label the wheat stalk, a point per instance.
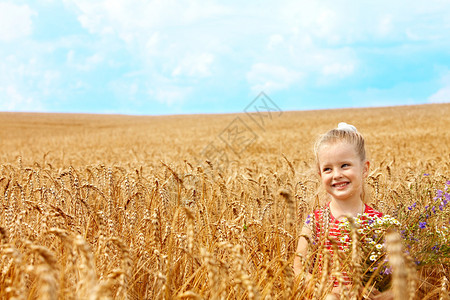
(397, 262)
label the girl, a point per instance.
(342, 166)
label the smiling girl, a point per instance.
(342, 167)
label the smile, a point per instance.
(341, 184)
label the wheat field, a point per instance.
(146, 207)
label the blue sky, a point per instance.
(181, 57)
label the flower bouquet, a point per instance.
(371, 231)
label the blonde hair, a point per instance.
(347, 134)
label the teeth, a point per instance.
(340, 185)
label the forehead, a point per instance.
(339, 151)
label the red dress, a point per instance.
(322, 218)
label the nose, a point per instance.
(337, 173)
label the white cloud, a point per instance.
(26, 84)
(322, 65)
(385, 25)
(403, 93)
(338, 69)
(152, 43)
(170, 95)
(125, 88)
(441, 96)
(15, 21)
(169, 43)
(347, 21)
(175, 48)
(198, 65)
(269, 78)
(11, 99)
(87, 63)
(274, 41)
(133, 19)
(192, 39)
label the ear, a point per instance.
(366, 168)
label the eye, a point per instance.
(326, 169)
(345, 165)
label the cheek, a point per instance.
(325, 177)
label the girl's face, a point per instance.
(342, 171)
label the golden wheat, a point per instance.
(122, 207)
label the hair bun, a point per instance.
(347, 127)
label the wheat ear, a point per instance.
(397, 261)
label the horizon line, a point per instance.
(217, 113)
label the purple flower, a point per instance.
(422, 224)
(426, 174)
(439, 193)
(426, 207)
(387, 271)
(412, 206)
(441, 207)
(433, 209)
(308, 219)
(447, 196)
(448, 182)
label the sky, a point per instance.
(183, 57)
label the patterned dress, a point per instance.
(324, 220)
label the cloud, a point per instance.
(26, 84)
(385, 26)
(195, 65)
(403, 93)
(168, 44)
(84, 63)
(170, 95)
(345, 22)
(338, 69)
(441, 96)
(187, 38)
(274, 41)
(173, 52)
(269, 78)
(134, 20)
(15, 21)
(321, 65)
(11, 99)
